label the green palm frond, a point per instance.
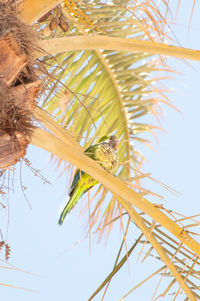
(109, 91)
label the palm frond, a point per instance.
(109, 91)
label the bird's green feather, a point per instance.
(77, 194)
(83, 183)
(77, 176)
(91, 150)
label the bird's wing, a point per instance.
(77, 176)
(90, 152)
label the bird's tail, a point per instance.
(77, 194)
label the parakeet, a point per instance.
(105, 153)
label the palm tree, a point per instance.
(100, 77)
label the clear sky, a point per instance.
(40, 246)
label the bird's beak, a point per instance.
(115, 145)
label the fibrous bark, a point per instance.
(19, 85)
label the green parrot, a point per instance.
(105, 153)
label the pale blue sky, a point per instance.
(69, 272)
